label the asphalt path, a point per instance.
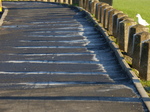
(53, 60)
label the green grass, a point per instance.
(133, 7)
(146, 85)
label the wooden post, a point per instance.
(87, 5)
(123, 34)
(100, 12)
(110, 2)
(133, 30)
(93, 6)
(144, 72)
(103, 13)
(75, 2)
(138, 38)
(70, 2)
(106, 17)
(115, 22)
(81, 3)
(97, 10)
(118, 25)
(110, 20)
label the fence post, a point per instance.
(103, 13)
(110, 2)
(81, 3)
(100, 12)
(87, 5)
(93, 6)
(110, 20)
(75, 2)
(144, 72)
(115, 22)
(67, 1)
(118, 25)
(106, 17)
(70, 2)
(133, 30)
(97, 10)
(138, 38)
(123, 36)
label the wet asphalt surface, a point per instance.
(53, 60)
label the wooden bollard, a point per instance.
(115, 22)
(87, 5)
(84, 4)
(70, 2)
(52, 0)
(144, 72)
(110, 2)
(67, 1)
(118, 25)
(81, 3)
(123, 36)
(75, 2)
(100, 12)
(97, 10)
(103, 13)
(133, 30)
(93, 6)
(106, 17)
(138, 38)
(110, 20)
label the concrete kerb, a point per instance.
(144, 96)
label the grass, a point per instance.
(133, 7)
(146, 85)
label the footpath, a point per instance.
(53, 60)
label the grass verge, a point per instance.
(133, 7)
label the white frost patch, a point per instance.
(112, 88)
(94, 58)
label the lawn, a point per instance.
(133, 7)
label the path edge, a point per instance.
(136, 81)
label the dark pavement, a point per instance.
(53, 60)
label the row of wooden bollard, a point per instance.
(132, 38)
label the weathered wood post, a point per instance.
(84, 4)
(81, 3)
(118, 25)
(103, 13)
(100, 11)
(110, 2)
(97, 10)
(115, 22)
(133, 30)
(110, 20)
(70, 2)
(66, 1)
(93, 6)
(144, 72)
(138, 38)
(106, 14)
(123, 36)
(75, 2)
(87, 5)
